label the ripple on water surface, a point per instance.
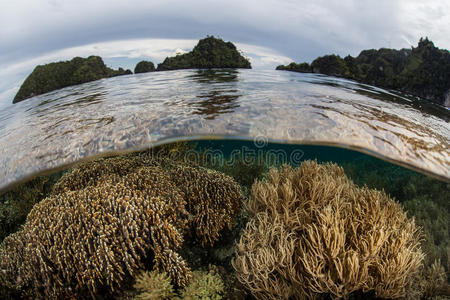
(133, 112)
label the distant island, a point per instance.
(53, 76)
(144, 66)
(423, 71)
(210, 52)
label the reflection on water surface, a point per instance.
(133, 112)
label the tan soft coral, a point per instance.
(103, 219)
(312, 231)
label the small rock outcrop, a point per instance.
(144, 67)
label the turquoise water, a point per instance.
(362, 168)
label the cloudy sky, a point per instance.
(269, 32)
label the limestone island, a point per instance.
(422, 71)
(57, 75)
(144, 66)
(209, 53)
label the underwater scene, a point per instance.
(227, 219)
(224, 184)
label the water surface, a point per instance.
(137, 111)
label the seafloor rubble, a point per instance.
(152, 226)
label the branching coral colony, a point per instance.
(312, 231)
(105, 217)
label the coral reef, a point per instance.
(98, 234)
(213, 199)
(154, 285)
(422, 197)
(106, 216)
(17, 203)
(435, 221)
(204, 285)
(245, 170)
(436, 281)
(312, 231)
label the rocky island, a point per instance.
(144, 66)
(423, 71)
(57, 75)
(209, 53)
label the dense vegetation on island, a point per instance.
(422, 71)
(53, 76)
(144, 67)
(210, 52)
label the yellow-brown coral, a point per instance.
(101, 221)
(203, 285)
(212, 199)
(154, 285)
(97, 234)
(312, 231)
(435, 281)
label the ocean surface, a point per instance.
(134, 112)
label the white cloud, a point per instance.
(263, 57)
(426, 18)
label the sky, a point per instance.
(269, 32)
